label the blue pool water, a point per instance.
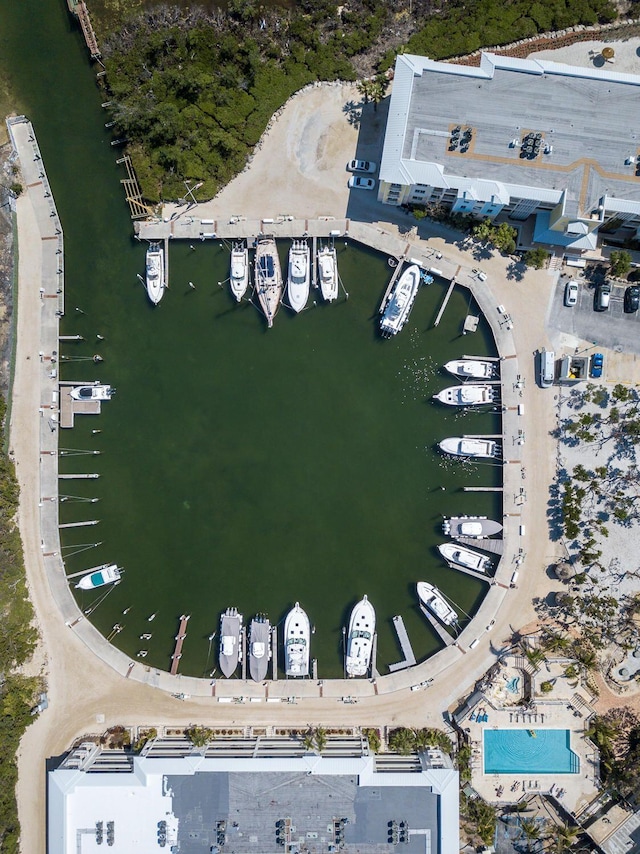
(517, 751)
(513, 685)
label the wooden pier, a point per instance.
(482, 488)
(78, 476)
(180, 638)
(479, 576)
(314, 668)
(86, 571)
(486, 544)
(243, 658)
(409, 658)
(132, 190)
(314, 262)
(70, 338)
(374, 654)
(445, 301)
(79, 9)
(442, 633)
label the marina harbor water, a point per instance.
(513, 497)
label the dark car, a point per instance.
(632, 299)
(597, 363)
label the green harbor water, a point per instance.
(239, 465)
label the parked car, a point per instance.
(357, 182)
(597, 364)
(571, 294)
(603, 295)
(632, 299)
(361, 166)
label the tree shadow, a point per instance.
(516, 270)
(353, 112)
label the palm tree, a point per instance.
(366, 88)
(565, 836)
(308, 741)
(556, 643)
(532, 832)
(321, 738)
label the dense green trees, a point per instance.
(17, 642)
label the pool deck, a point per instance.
(566, 708)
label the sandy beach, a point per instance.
(311, 141)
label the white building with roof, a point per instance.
(251, 797)
(554, 148)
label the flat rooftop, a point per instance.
(590, 118)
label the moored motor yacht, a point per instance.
(97, 391)
(239, 270)
(268, 278)
(479, 369)
(362, 626)
(298, 278)
(108, 573)
(230, 646)
(476, 527)
(154, 280)
(259, 647)
(395, 312)
(434, 601)
(462, 556)
(297, 637)
(459, 446)
(466, 395)
(328, 273)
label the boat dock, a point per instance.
(390, 286)
(85, 571)
(180, 638)
(374, 656)
(243, 657)
(78, 476)
(482, 488)
(486, 544)
(445, 302)
(409, 658)
(79, 9)
(479, 576)
(442, 633)
(79, 524)
(69, 407)
(314, 262)
(274, 653)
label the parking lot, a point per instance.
(611, 329)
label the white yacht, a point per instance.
(109, 573)
(462, 556)
(478, 369)
(98, 391)
(297, 638)
(458, 446)
(155, 273)
(362, 626)
(259, 647)
(400, 301)
(268, 278)
(239, 270)
(299, 275)
(476, 527)
(466, 395)
(328, 273)
(434, 601)
(230, 646)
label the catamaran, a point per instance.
(328, 273)
(268, 278)
(108, 573)
(476, 527)
(97, 391)
(297, 636)
(230, 646)
(362, 626)
(299, 275)
(473, 368)
(400, 301)
(155, 283)
(462, 556)
(458, 446)
(259, 647)
(239, 270)
(466, 395)
(434, 601)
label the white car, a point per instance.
(357, 182)
(361, 166)
(571, 294)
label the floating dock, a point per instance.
(180, 638)
(409, 658)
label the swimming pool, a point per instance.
(534, 751)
